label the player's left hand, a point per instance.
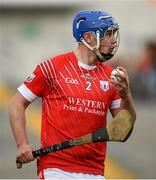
(123, 84)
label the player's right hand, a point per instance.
(24, 153)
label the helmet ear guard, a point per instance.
(98, 22)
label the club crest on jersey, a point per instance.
(30, 78)
(104, 85)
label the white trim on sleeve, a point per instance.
(26, 93)
(115, 104)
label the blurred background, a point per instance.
(32, 31)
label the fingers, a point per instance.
(122, 82)
(25, 157)
(122, 77)
(24, 154)
(121, 86)
(113, 83)
(123, 69)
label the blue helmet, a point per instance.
(98, 22)
(92, 21)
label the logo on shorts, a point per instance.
(30, 78)
(104, 85)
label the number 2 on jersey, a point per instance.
(88, 86)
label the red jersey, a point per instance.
(76, 98)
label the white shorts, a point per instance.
(57, 174)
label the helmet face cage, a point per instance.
(113, 32)
(93, 21)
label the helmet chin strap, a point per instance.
(101, 57)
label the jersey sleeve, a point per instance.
(36, 85)
(116, 100)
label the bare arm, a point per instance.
(17, 109)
